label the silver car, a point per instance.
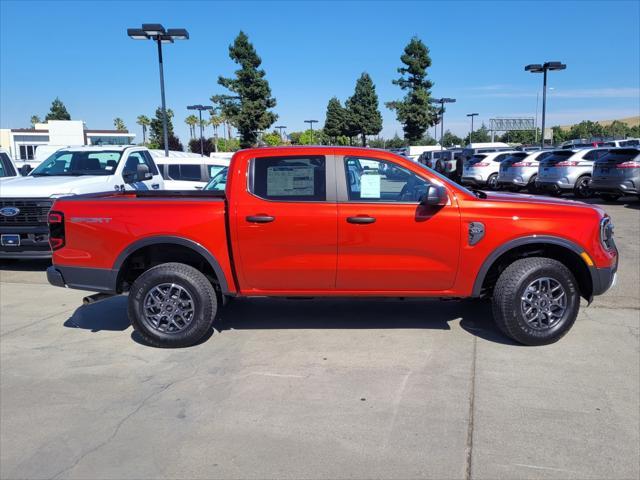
(568, 170)
(482, 169)
(617, 173)
(520, 170)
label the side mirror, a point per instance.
(142, 173)
(25, 170)
(436, 196)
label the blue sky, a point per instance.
(312, 51)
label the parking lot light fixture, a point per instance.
(200, 109)
(311, 122)
(442, 101)
(157, 33)
(471, 115)
(544, 68)
(280, 128)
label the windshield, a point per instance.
(219, 182)
(78, 163)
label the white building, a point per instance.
(22, 142)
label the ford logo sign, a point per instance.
(9, 211)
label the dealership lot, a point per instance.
(319, 389)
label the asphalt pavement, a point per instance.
(319, 389)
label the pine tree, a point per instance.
(250, 112)
(414, 111)
(363, 116)
(58, 111)
(156, 137)
(334, 124)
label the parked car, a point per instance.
(219, 182)
(414, 152)
(188, 171)
(627, 142)
(482, 169)
(520, 169)
(7, 169)
(617, 173)
(289, 223)
(485, 147)
(568, 171)
(25, 201)
(442, 161)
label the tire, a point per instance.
(439, 167)
(531, 186)
(514, 293)
(492, 181)
(609, 197)
(177, 288)
(581, 188)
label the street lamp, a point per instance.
(442, 101)
(311, 122)
(543, 68)
(280, 128)
(157, 33)
(471, 115)
(200, 109)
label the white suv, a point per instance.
(482, 169)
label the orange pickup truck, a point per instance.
(332, 221)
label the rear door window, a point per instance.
(293, 179)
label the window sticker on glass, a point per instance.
(370, 186)
(290, 180)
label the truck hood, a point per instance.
(40, 187)
(538, 200)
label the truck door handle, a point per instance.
(361, 220)
(155, 186)
(260, 218)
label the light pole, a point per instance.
(544, 68)
(442, 101)
(200, 109)
(471, 115)
(157, 33)
(311, 122)
(280, 128)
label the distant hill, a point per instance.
(630, 121)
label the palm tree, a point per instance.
(35, 119)
(144, 122)
(118, 123)
(215, 121)
(192, 121)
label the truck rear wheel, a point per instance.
(172, 305)
(536, 301)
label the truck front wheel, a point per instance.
(536, 301)
(172, 305)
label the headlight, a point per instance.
(60, 195)
(606, 233)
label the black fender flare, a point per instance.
(532, 239)
(184, 242)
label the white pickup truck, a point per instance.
(25, 201)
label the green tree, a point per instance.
(228, 145)
(586, 129)
(449, 139)
(118, 124)
(364, 117)
(272, 139)
(144, 122)
(334, 124)
(35, 119)
(480, 135)
(524, 137)
(57, 111)
(191, 121)
(156, 139)
(250, 112)
(396, 142)
(414, 111)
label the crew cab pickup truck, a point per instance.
(326, 222)
(25, 201)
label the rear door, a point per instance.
(286, 225)
(387, 241)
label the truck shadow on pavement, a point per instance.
(24, 265)
(262, 314)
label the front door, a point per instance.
(387, 241)
(141, 157)
(286, 225)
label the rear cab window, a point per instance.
(292, 179)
